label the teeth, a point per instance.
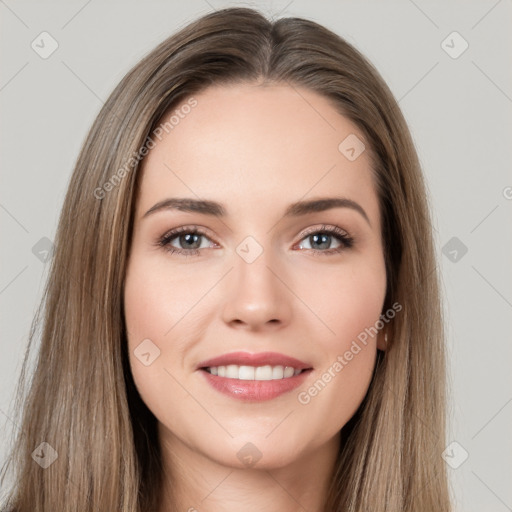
(277, 372)
(288, 372)
(246, 373)
(233, 371)
(263, 373)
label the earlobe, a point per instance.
(382, 341)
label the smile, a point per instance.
(254, 377)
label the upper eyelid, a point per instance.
(324, 227)
(200, 230)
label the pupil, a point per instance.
(190, 237)
(324, 236)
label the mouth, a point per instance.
(254, 377)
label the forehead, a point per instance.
(253, 146)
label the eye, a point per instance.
(319, 240)
(188, 237)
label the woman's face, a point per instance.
(261, 280)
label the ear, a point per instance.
(382, 340)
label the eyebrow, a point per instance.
(297, 209)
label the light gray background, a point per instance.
(459, 111)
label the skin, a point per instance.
(256, 149)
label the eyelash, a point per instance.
(346, 240)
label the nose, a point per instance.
(257, 297)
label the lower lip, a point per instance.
(255, 390)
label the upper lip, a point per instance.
(248, 359)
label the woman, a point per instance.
(187, 363)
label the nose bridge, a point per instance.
(253, 262)
(252, 265)
(256, 294)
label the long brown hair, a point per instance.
(81, 398)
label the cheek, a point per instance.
(359, 301)
(350, 304)
(347, 299)
(161, 305)
(148, 317)
(152, 309)
(157, 299)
